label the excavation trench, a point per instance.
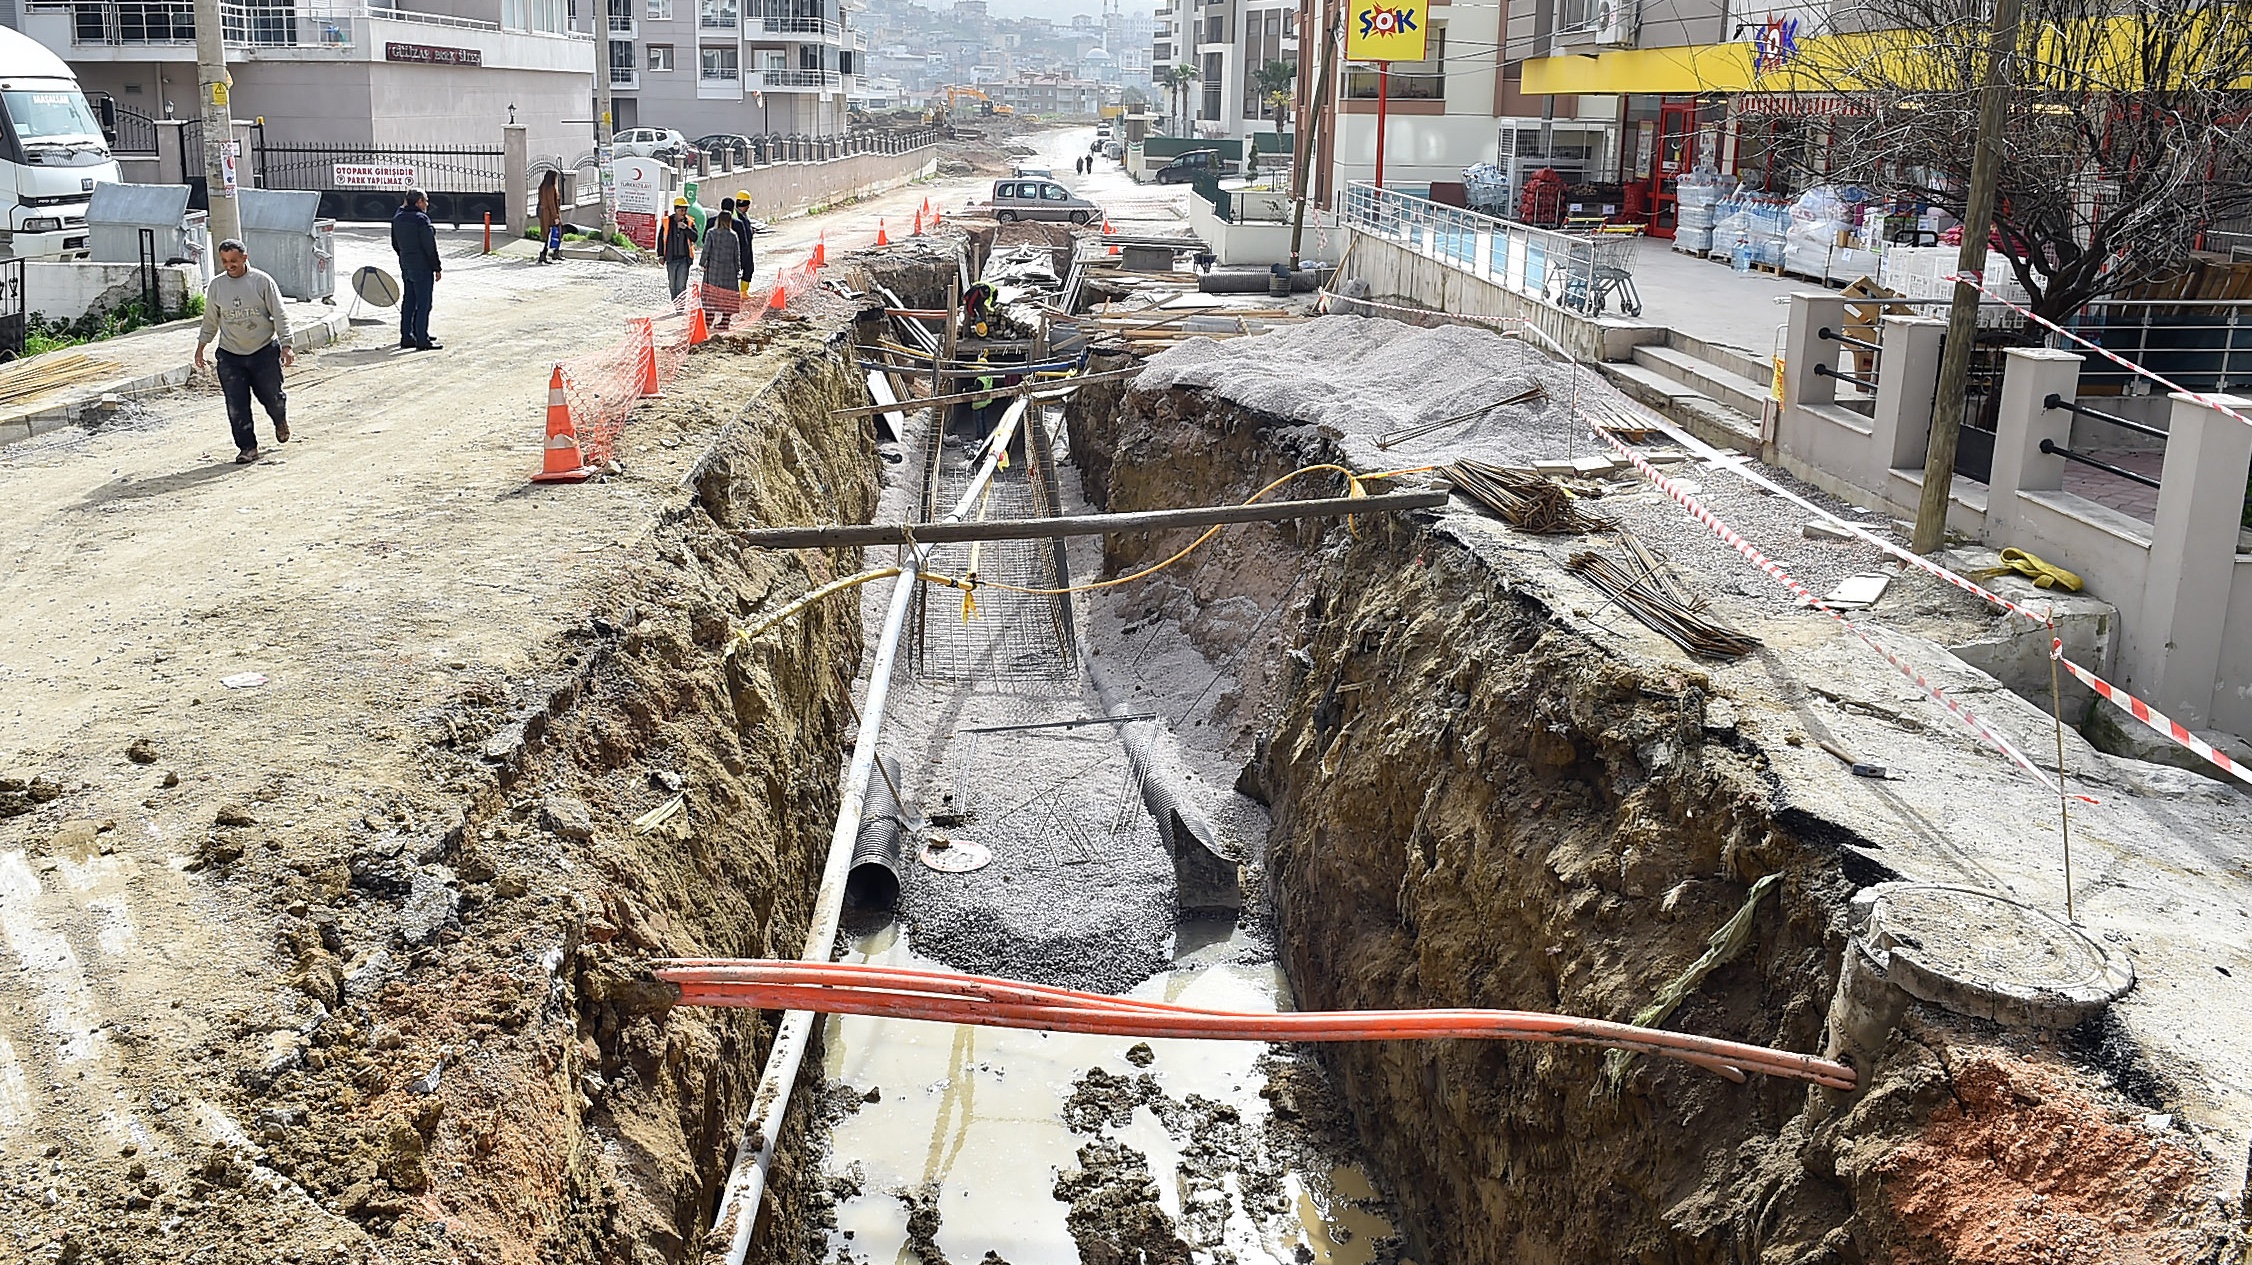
(1439, 791)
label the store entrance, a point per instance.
(1674, 154)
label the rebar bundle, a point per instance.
(1524, 498)
(1650, 591)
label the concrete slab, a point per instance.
(1711, 300)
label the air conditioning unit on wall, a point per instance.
(1614, 23)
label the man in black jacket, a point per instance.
(415, 240)
(744, 231)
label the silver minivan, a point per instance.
(1031, 199)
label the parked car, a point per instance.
(1041, 173)
(1040, 200)
(1188, 166)
(650, 142)
(725, 143)
(1113, 150)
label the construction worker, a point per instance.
(977, 309)
(744, 232)
(676, 245)
(981, 405)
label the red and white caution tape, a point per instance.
(1752, 555)
(1977, 281)
(2151, 716)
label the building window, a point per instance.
(621, 64)
(1211, 83)
(660, 11)
(716, 15)
(515, 15)
(716, 65)
(1215, 30)
(551, 16)
(1424, 80)
(660, 57)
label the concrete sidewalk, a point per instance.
(1711, 300)
(146, 361)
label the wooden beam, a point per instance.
(1061, 387)
(848, 535)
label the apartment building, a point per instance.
(1053, 96)
(742, 67)
(1467, 102)
(1225, 42)
(1689, 84)
(341, 72)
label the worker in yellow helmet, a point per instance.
(744, 233)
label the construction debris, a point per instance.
(1393, 438)
(1524, 498)
(1652, 593)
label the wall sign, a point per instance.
(372, 175)
(433, 54)
(1379, 31)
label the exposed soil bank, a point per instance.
(1476, 806)
(426, 1041)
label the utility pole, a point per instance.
(1962, 314)
(603, 130)
(1307, 125)
(218, 122)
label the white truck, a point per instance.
(52, 152)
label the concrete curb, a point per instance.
(69, 408)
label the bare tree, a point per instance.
(2125, 145)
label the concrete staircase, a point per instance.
(1715, 391)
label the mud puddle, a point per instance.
(1047, 1147)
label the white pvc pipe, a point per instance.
(762, 1129)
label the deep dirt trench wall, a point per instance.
(490, 1075)
(1475, 806)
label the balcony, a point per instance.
(623, 22)
(156, 29)
(719, 83)
(796, 81)
(800, 28)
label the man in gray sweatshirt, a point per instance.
(242, 307)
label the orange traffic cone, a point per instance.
(1107, 232)
(645, 357)
(882, 239)
(935, 217)
(562, 464)
(918, 225)
(699, 332)
(778, 300)
(821, 251)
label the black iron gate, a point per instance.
(362, 182)
(11, 309)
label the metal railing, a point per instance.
(767, 79)
(800, 26)
(1574, 273)
(127, 23)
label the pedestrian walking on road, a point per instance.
(743, 235)
(415, 240)
(676, 245)
(723, 268)
(551, 217)
(242, 308)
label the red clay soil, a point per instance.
(2024, 1168)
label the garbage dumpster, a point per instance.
(288, 239)
(116, 214)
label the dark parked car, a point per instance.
(1188, 166)
(726, 143)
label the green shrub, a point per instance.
(42, 335)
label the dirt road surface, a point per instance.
(199, 660)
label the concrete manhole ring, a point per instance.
(956, 856)
(1988, 956)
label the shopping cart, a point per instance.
(1598, 271)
